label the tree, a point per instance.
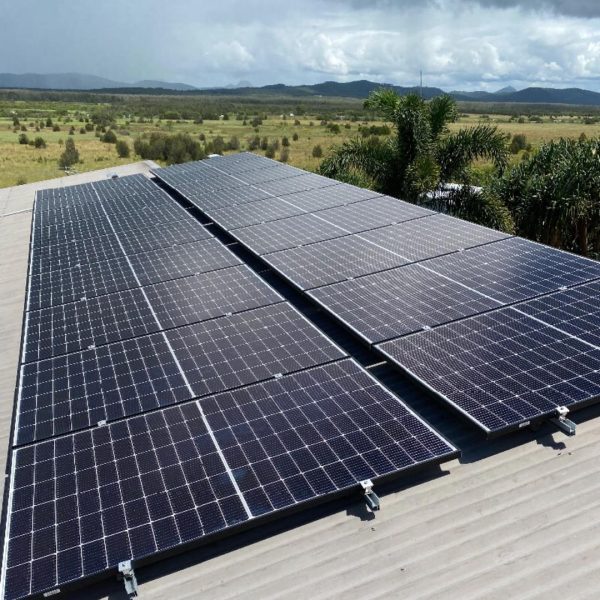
(122, 149)
(70, 156)
(518, 143)
(554, 195)
(295, 137)
(285, 141)
(110, 137)
(317, 151)
(421, 155)
(39, 142)
(23, 139)
(284, 155)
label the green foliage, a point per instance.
(421, 155)
(176, 148)
(295, 137)
(554, 195)
(216, 145)
(233, 143)
(285, 141)
(270, 151)
(56, 127)
(70, 156)
(317, 151)
(518, 143)
(23, 139)
(110, 137)
(122, 148)
(284, 155)
(39, 142)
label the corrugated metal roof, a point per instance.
(518, 517)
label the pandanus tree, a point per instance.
(554, 195)
(422, 155)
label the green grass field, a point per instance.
(25, 164)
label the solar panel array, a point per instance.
(427, 290)
(167, 394)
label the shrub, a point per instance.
(39, 142)
(176, 148)
(70, 156)
(202, 137)
(56, 127)
(518, 143)
(49, 122)
(253, 143)
(270, 151)
(317, 151)
(264, 143)
(233, 143)
(216, 146)
(295, 137)
(110, 137)
(23, 139)
(284, 155)
(285, 142)
(122, 149)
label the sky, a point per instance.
(458, 44)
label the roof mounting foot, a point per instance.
(562, 422)
(371, 498)
(127, 574)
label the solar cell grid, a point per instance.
(209, 295)
(72, 230)
(502, 368)
(399, 301)
(244, 348)
(575, 311)
(151, 483)
(436, 235)
(51, 288)
(210, 200)
(180, 261)
(299, 183)
(373, 213)
(243, 215)
(327, 197)
(75, 326)
(515, 269)
(332, 261)
(287, 233)
(274, 173)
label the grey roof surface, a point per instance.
(515, 518)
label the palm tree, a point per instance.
(555, 195)
(422, 156)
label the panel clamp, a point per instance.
(562, 422)
(371, 498)
(127, 574)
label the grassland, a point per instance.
(24, 163)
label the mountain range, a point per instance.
(352, 89)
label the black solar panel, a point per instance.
(575, 311)
(209, 295)
(373, 213)
(181, 261)
(331, 261)
(210, 200)
(244, 348)
(82, 503)
(253, 213)
(299, 183)
(515, 269)
(78, 325)
(287, 233)
(85, 281)
(62, 233)
(433, 236)
(326, 197)
(400, 301)
(274, 173)
(502, 369)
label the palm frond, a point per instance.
(442, 110)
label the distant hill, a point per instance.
(79, 81)
(352, 89)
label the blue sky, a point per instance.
(459, 44)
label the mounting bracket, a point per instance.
(371, 498)
(127, 574)
(562, 422)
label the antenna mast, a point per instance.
(421, 83)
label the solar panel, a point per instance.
(502, 369)
(574, 311)
(299, 183)
(515, 269)
(244, 348)
(180, 261)
(399, 301)
(253, 213)
(51, 288)
(210, 200)
(287, 233)
(82, 503)
(274, 173)
(209, 295)
(109, 382)
(373, 213)
(71, 327)
(327, 197)
(331, 261)
(433, 236)
(72, 230)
